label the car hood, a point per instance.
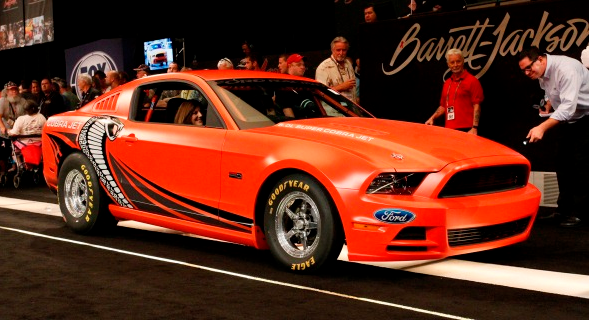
(390, 143)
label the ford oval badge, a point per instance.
(394, 216)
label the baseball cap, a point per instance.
(241, 64)
(142, 67)
(10, 85)
(294, 58)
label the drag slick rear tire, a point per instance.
(301, 224)
(83, 203)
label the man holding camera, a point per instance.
(565, 82)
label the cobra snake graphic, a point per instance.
(92, 141)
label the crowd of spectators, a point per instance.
(338, 71)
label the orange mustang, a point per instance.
(221, 160)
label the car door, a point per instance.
(170, 169)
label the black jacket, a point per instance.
(51, 104)
(88, 96)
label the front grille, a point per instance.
(485, 180)
(463, 237)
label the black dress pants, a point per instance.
(572, 168)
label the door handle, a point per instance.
(130, 138)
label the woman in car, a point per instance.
(188, 113)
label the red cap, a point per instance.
(294, 58)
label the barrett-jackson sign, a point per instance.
(404, 65)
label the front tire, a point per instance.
(301, 225)
(83, 203)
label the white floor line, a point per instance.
(568, 284)
(244, 276)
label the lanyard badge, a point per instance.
(450, 115)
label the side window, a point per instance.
(173, 102)
(142, 102)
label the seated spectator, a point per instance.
(30, 123)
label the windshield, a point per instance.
(255, 103)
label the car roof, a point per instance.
(214, 75)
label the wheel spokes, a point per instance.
(297, 225)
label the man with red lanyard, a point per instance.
(461, 97)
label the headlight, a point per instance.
(396, 183)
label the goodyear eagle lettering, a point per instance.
(287, 184)
(304, 265)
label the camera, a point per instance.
(540, 106)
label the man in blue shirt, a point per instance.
(565, 82)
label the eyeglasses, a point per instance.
(529, 67)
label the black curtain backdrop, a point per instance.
(211, 30)
(404, 67)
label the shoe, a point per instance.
(570, 221)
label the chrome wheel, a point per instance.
(75, 193)
(301, 224)
(298, 225)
